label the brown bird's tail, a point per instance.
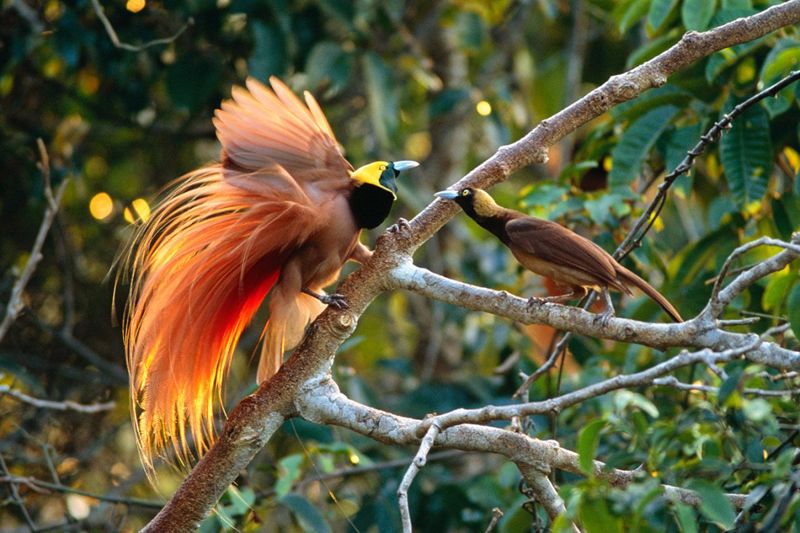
(289, 314)
(629, 277)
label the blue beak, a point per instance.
(447, 195)
(399, 166)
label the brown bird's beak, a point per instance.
(447, 195)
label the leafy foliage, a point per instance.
(402, 81)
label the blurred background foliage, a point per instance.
(445, 83)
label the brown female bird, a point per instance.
(553, 251)
(279, 216)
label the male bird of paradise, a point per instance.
(279, 215)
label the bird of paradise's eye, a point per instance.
(465, 192)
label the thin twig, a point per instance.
(112, 34)
(15, 304)
(374, 467)
(672, 381)
(43, 486)
(497, 514)
(15, 495)
(419, 461)
(794, 246)
(66, 405)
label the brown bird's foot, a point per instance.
(605, 317)
(337, 301)
(536, 301)
(401, 226)
(609, 312)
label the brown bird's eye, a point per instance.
(465, 192)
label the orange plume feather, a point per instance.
(211, 252)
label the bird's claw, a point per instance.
(535, 301)
(337, 301)
(401, 226)
(605, 317)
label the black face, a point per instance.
(389, 178)
(465, 198)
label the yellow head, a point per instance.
(382, 174)
(472, 201)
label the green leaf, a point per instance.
(696, 14)
(383, 99)
(729, 386)
(588, 439)
(659, 15)
(269, 55)
(596, 517)
(793, 309)
(778, 286)
(309, 518)
(658, 97)
(328, 62)
(723, 59)
(714, 505)
(652, 48)
(544, 194)
(685, 517)
(289, 471)
(781, 59)
(635, 143)
(746, 155)
(757, 409)
(679, 142)
(625, 398)
(629, 13)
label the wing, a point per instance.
(261, 126)
(556, 244)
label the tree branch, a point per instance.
(66, 405)
(112, 34)
(257, 417)
(15, 304)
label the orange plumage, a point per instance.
(278, 216)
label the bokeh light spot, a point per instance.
(101, 205)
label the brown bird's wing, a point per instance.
(556, 244)
(261, 126)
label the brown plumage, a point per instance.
(279, 216)
(553, 251)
